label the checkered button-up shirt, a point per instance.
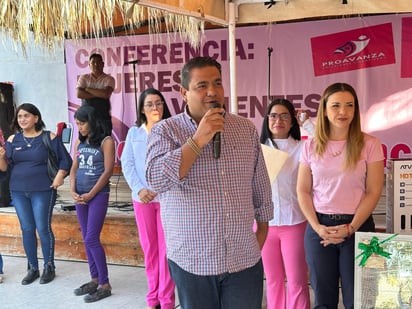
(208, 215)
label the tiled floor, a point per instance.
(128, 287)
(128, 283)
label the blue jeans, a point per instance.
(241, 290)
(329, 264)
(34, 210)
(1, 264)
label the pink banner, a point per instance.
(406, 65)
(373, 68)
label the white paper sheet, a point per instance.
(274, 159)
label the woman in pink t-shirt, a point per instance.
(339, 183)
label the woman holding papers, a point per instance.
(283, 254)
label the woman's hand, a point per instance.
(301, 116)
(332, 235)
(57, 181)
(146, 196)
(323, 231)
(3, 159)
(2, 153)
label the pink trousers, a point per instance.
(283, 258)
(161, 288)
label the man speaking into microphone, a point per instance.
(210, 198)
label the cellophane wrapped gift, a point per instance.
(383, 271)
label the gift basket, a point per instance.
(383, 271)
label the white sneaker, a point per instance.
(1, 278)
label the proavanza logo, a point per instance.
(354, 59)
(353, 47)
(353, 50)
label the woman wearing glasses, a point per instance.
(283, 254)
(152, 109)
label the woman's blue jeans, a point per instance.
(1, 264)
(34, 210)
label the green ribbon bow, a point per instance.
(373, 248)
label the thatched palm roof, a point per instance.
(51, 21)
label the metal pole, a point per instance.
(270, 50)
(232, 58)
(135, 90)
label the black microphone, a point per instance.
(132, 62)
(217, 141)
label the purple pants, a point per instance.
(91, 218)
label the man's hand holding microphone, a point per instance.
(210, 127)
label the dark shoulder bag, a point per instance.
(52, 164)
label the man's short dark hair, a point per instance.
(96, 56)
(197, 62)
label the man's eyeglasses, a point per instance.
(158, 104)
(283, 116)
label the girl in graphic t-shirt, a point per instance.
(89, 184)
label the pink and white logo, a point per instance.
(353, 50)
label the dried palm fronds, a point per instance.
(52, 21)
(189, 28)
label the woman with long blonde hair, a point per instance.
(339, 183)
